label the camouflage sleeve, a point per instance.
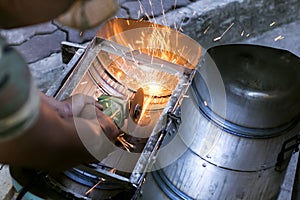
(19, 99)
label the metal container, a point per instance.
(239, 127)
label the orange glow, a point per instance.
(156, 41)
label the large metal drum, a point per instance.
(237, 122)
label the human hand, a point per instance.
(83, 106)
(72, 106)
(108, 126)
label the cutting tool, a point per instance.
(119, 109)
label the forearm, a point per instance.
(51, 143)
(15, 13)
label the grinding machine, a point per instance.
(195, 124)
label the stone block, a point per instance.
(17, 36)
(149, 9)
(41, 46)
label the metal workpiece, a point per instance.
(261, 87)
(218, 152)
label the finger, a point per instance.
(89, 112)
(108, 126)
(79, 101)
(98, 105)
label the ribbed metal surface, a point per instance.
(211, 160)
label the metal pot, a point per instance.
(237, 125)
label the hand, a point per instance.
(89, 111)
(71, 106)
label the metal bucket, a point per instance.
(237, 133)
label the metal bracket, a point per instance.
(68, 50)
(291, 144)
(174, 121)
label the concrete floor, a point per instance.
(40, 44)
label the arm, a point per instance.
(83, 14)
(16, 13)
(37, 131)
(53, 143)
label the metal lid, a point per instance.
(261, 88)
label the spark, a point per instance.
(248, 35)
(243, 32)
(175, 26)
(140, 51)
(163, 13)
(280, 37)
(124, 143)
(273, 23)
(221, 36)
(205, 31)
(205, 103)
(130, 47)
(92, 188)
(98, 183)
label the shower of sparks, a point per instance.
(280, 37)
(150, 15)
(152, 11)
(221, 36)
(272, 24)
(128, 146)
